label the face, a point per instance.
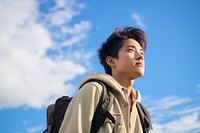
(130, 60)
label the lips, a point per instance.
(140, 64)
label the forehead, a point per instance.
(132, 43)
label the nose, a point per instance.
(140, 55)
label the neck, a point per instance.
(125, 82)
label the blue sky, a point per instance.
(48, 46)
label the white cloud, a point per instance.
(174, 114)
(63, 12)
(138, 20)
(169, 102)
(27, 75)
(35, 129)
(185, 124)
(76, 30)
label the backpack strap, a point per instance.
(102, 111)
(144, 118)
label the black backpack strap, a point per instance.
(102, 111)
(144, 118)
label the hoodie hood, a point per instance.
(109, 80)
(103, 77)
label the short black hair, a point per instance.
(116, 40)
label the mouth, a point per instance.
(139, 64)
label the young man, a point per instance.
(122, 56)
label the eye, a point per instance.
(142, 52)
(131, 50)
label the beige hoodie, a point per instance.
(78, 117)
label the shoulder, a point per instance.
(92, 86)
(91, 89)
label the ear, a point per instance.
(110, 61)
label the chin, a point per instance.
(139, 74)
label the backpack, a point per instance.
(56, 111)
